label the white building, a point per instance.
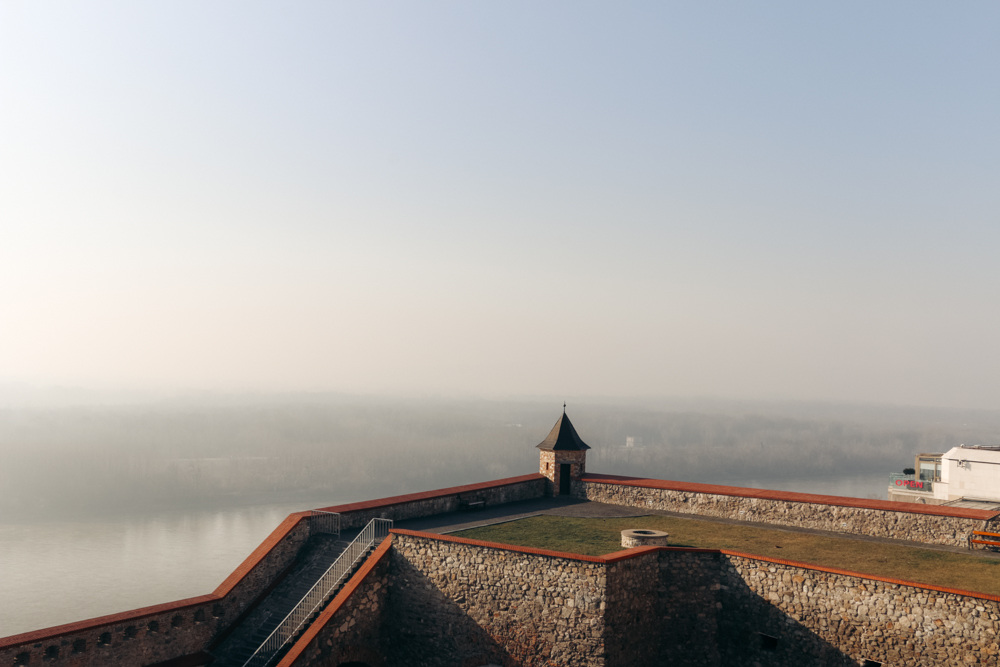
(965, 476)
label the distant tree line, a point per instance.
(61, 461)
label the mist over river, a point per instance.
(110, 508)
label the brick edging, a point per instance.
(427, 495)
(788, 496)
(336, 604)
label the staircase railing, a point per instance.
(374, 532)
(324, 522)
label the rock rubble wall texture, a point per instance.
(631, 618)
(352, 631)
(452, 603)
(497, 495)
(156, 634)
(689, 607)
(824, 618)
(549, 465)
(458, 604)
(926, 528)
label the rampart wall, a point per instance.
(167, 631)
(186, 629)
(440, 501)
(902, 521)
(350, 629)
(459, 602)
(830, 617)
(427, 599)
(451, 601)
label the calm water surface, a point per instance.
(58, 572)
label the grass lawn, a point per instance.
(595, 537)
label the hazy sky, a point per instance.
(742, 199)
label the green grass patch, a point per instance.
(595, 537)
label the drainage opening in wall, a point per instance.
(871, 663)
(767, 642)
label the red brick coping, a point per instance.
(427, 495)
(635, 552)
(251, 561)
(789, 496)
(338, 602)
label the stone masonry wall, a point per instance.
(632, 622)
(436, 504)
(456, 603)
(901, 525)
(548, 465)
(689, 606)
(350, 629)
(162, 632)
(825, 618)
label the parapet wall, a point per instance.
(460, 602)
(167, 631)
(835, 617)
(455, 601)
(901, 521)
(439, 501)
(188, 628)
(349, 629)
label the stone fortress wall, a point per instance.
(473, 603)
(453, 601)
(164, 632)
(440, 501)
(184, 630)
(877, 518)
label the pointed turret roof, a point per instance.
(563, 437)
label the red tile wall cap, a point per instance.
(618, 556)
(498, 545)
(335, 605)
(862, 575)
(110, 619)
(258, 554)
(812, 498)
(224, 589)
(437, 493)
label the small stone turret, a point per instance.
(563, 457)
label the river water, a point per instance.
(54, 572)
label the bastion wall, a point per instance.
(181, 629)
(877, 518)
(187, 630)
(438, 600)
(440, 501)
(456, 602)
(426, 599)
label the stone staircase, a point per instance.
(318, 555)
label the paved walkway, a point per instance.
(585, 509)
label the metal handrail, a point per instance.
(375, 531)
(324, 522)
